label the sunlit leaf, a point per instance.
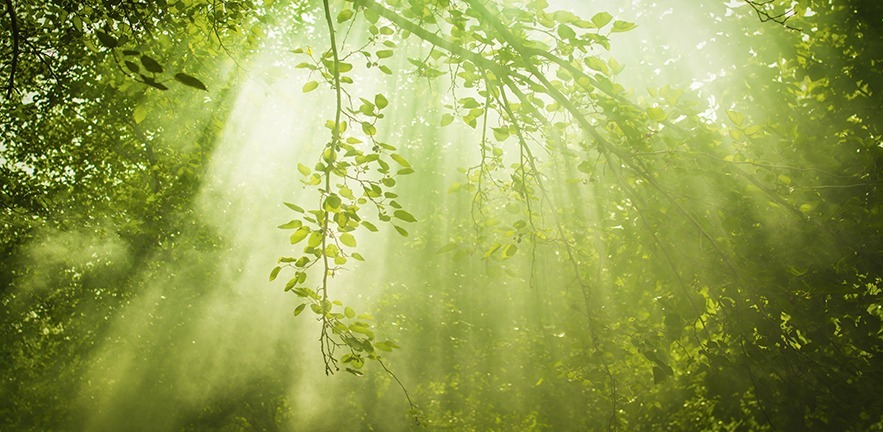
(294, 207)
(299, 235)
(299, 309)
(405, 216)
(310, 86)
(623, 26)
(344, 15)
(332, 203)
(601, 19)
(400, 160)
(402, 231)
(139, 113)
(736, 117)
(380, 101)
(656, 114)
(348, 239)
(303, 169)
(500, 134)
(509, 251)
(291, 225)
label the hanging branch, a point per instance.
(326, 342)
(15, 37)
(764, 15)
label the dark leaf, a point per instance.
(190, 81)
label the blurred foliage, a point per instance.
(684, 255)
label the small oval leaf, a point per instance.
(310, 86)
(150, 64)
(190, 81)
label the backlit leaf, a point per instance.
(400, 160)
(294, 207)
(310, 86)
(380, 101)
(601, 19)
(299, 309)
(405, 216)
(344, 15)
(299, 235)
(348, 239)
(303, 169)
(623, 26)
(656, 114)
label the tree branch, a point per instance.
(15, 37)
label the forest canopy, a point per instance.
(489, 214)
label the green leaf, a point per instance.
(656, 114)
(190, 81)
(596, 64)
(332, 203)
(736, 118)
(348, 239)
(564, 17)
(623, 26)
(349, 312)
(275, 273)
(150, 64)
(106, 39)
(303, 169)
(400, 160)
(140, 113)
(565, 32)
(369, 129)
(344, 67)
(294, 207)
(401, 230)
(299, 235)
(509, 250)
(384, 54)
(447, 248)
(344, 15)
(601, 19)
(447, 119)
(383, 346)
(370, 226)
(371, 16)
(381, 101)
(310, 86)
(152, 82)
(132, 66)
(291, 225)
(315, 239)
(405, 216)
(501, 134)
(299, 309)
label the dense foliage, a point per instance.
(626, 245)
